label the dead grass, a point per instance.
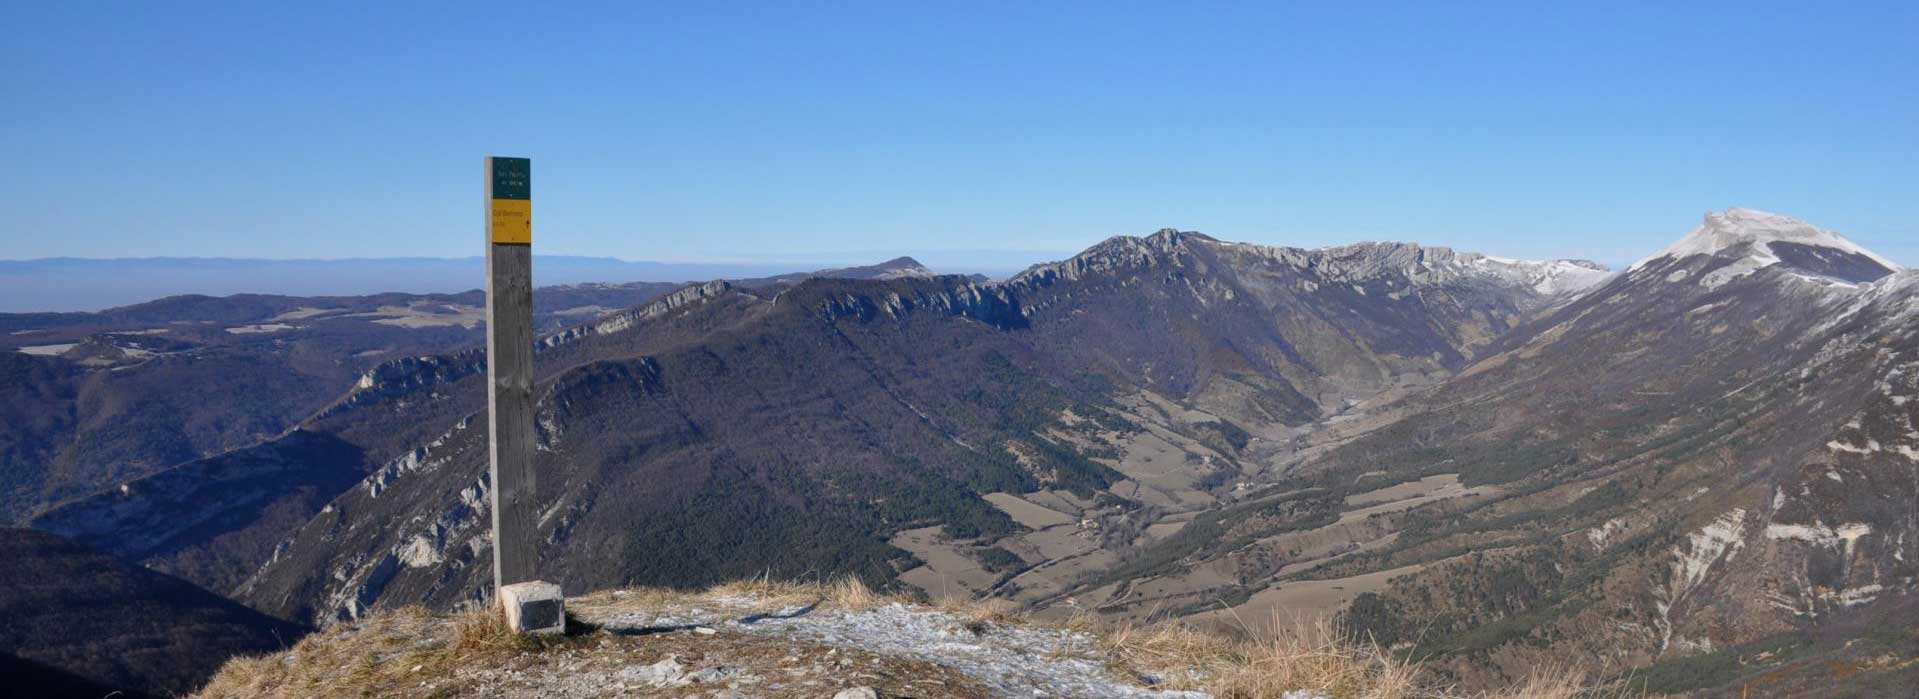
(980, 616)
(377, 656)
(1290, 658)
(1555, 682)
(852, 593)
(1300, 656)
(760, 594)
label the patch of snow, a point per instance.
(47, 350)
(584, 311)
(259, 328)
(1742, 267)
(911, 271)
(1689, 646)
(1547, 277)
(1723, 537)
(1820, 534)
(1858, 595)
(1823, 281)
(1872, 445)
(1601, 534)
(1707, 308)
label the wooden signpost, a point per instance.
(509, 368)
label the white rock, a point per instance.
(665, 673)
(857, 693)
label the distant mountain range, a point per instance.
(88, 284)
(112, 395)
(1688, 475)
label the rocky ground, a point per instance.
(897, 648)
(777, 641)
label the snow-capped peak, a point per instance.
(1752, 233)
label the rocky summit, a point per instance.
(837, 641)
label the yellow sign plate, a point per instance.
(513, 221)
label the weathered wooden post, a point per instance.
(531, 605)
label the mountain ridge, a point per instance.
(1025, 311)
(1165, 424)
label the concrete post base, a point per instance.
(534, 607)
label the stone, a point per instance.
(534, 607)
(857, 693)
(663, 674)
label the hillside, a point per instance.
(74, 621)
(1702, 460)
(94, 400)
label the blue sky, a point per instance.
(758, 132)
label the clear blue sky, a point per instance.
(773, 131)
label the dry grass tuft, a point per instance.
(981, 615)
(1290, 658)
(852, 593)
(484, 634)
(378, 656)
(765, 590)
(1556, 682)
(845, 593)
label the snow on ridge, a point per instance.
(911, 269)
(1895, 298)
(1546, 277)
(1755, 231)
(1343, 263)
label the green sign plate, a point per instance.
(512, 178)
